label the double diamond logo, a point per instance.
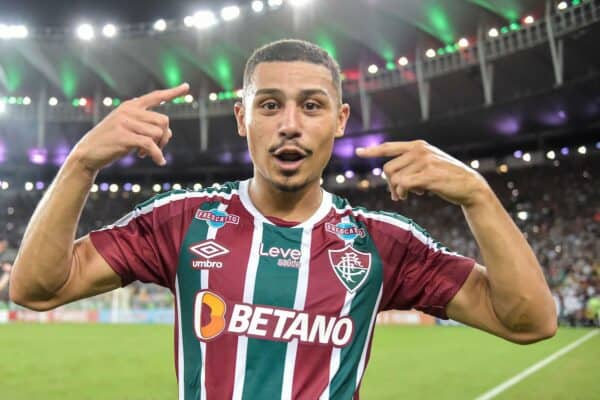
(209, 249)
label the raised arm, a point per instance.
(52, 268)
(509, 297)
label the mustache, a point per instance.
(288, 142)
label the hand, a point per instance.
(131, 126)
(418, 167)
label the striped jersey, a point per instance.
(268, 309)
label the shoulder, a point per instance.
(384, 225)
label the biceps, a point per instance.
(90, 275)
(472, 306)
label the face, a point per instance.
(290, 117)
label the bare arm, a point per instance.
(509, 298)
(52, 268)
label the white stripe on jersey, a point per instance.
(164, 201)
(428, 241)
(249, 283)
(334, 364)
(299, 302)
(180, 362)
(204, 275)
(363, 358)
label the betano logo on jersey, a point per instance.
(207, 249)
(351, 266)
(217, 218)
(345, 230)
(213, 317)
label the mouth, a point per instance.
(289, 158)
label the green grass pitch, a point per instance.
(133, 362)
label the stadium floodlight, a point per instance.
(503, 168)
(275, 3)
(403, 61)
(564, 151)
(109, 30)
(523, 215)
(213, 97)
(527, 157)
(562, 5)
(85, 32)
(52, 101)
(373, 69)
(518, 154)
(83, 102)
(551, 155)
(135, 188)
(299, 3)
(582, 150)
(176, 186)
(26, 100)
(340, 179)
(188, 98)
(230, 13)
(463, 43)
(349, 174)
(29, 186)
(94, 188)
(4, 185)
(597, 145)
(204, 19)
(160, 25)
(107, 102)
(156, 187)
(376, 171)
(475, 164)
(188, 21)
(258, 6)
(430, 53)
(2, 106)
(493, 32)
(239, 93)
(529, 19)
(114, 188)
(13, 31)
(197, 186)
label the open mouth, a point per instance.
(289, 157)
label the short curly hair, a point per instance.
(294, 50)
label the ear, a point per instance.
(240, 111)
(342, 119)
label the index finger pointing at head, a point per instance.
(156, 97)
(387, 149)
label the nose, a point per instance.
(290, 123)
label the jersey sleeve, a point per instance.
(418, 272)
(144, 244)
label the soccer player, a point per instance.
(277, 282)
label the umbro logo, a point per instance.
(208, 249)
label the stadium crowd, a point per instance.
(556, 205)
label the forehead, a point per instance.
(295, 75)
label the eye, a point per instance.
(269, 105)
(312, 106)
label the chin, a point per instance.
(290, 184)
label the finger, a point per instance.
(396, 164)
(151, 117)
(167, 135)
(402, 180)
(156, 97)
(387, 149)
(150, 147)
(143, 128)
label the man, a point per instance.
(277, 282)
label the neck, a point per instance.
(290, 206)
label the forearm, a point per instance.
(44, 260)
(518, 290)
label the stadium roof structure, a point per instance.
(468, 74)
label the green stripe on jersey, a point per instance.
(344, 382)
(275, 286)
(189, 284)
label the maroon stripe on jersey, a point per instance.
(325, 295)
(228, 282)
(416, 275)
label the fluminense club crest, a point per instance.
(351, 266)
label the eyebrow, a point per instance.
(303, 93)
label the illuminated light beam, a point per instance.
(510, 10)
